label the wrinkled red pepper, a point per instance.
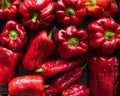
(13, 36)
(53, 67)
(9, 9)
(104, 36)
(37, 13)
(8, 63)
(100, 8)
(64, 81)
(103, 77)
(70, 12)
(76, 90)
(39, 49)
(72, 42)
(28, 85)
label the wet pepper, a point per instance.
(98, 9)
(39, 49)
(13, 36)
(28, 85)
(104, 36)
(64, 81)
(37, 13)
(9, 9)
(53, 67)
(72, 42)
(103, 76)
(70, 12)
(76, 90)
(8, 63)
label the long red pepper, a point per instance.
(40, 48)
(53, 67)
(103, 76)
(64, 81)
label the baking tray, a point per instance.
(84, 79)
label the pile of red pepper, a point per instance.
(54, 43)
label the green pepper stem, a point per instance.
(46, 86)
(93, 2)
(74, 41)
(13, 35)
(70, 10)
(5, 4)
(84, 66)
(50, 35)
(109, 34)
(40, 70)
(35, 16)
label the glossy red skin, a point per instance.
(60, 65)
(15, 45)
(75, 19)
(103, 76)
(8, 63)
(101, 9)
(67, 51)
(45, 9)
(76, 90)
(11, 12)
(39, 49)
(97, 40)
(28, 85)
(63, 82)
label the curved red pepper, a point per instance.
(8, 64)
(37, 13)
(100, 8)
(28, 85)
(76, 90)
(64, 81)
(104, 36)
(13, 36)
(39, 49)
(9, 9)
(70, 12)
(56, 66)
(103, 76)
(72, 42)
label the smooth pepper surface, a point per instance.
(103, 75)
(39, 49)
(70, 12)
(71, 42)
(8, 64)
(101, 8)
(9, 9)
(37, 14)
(104, 36)
(27, 85)
(13, 36)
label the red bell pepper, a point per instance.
(72, 42)
(28, 85)
(13, 36)
(104, 36)
(8, 63)
(103, 76)
(53, 67)
(100, 8)
(76, 90)
(39, 49)
(37, 13)
(64, 81)
(9, 9)
(70, 12)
